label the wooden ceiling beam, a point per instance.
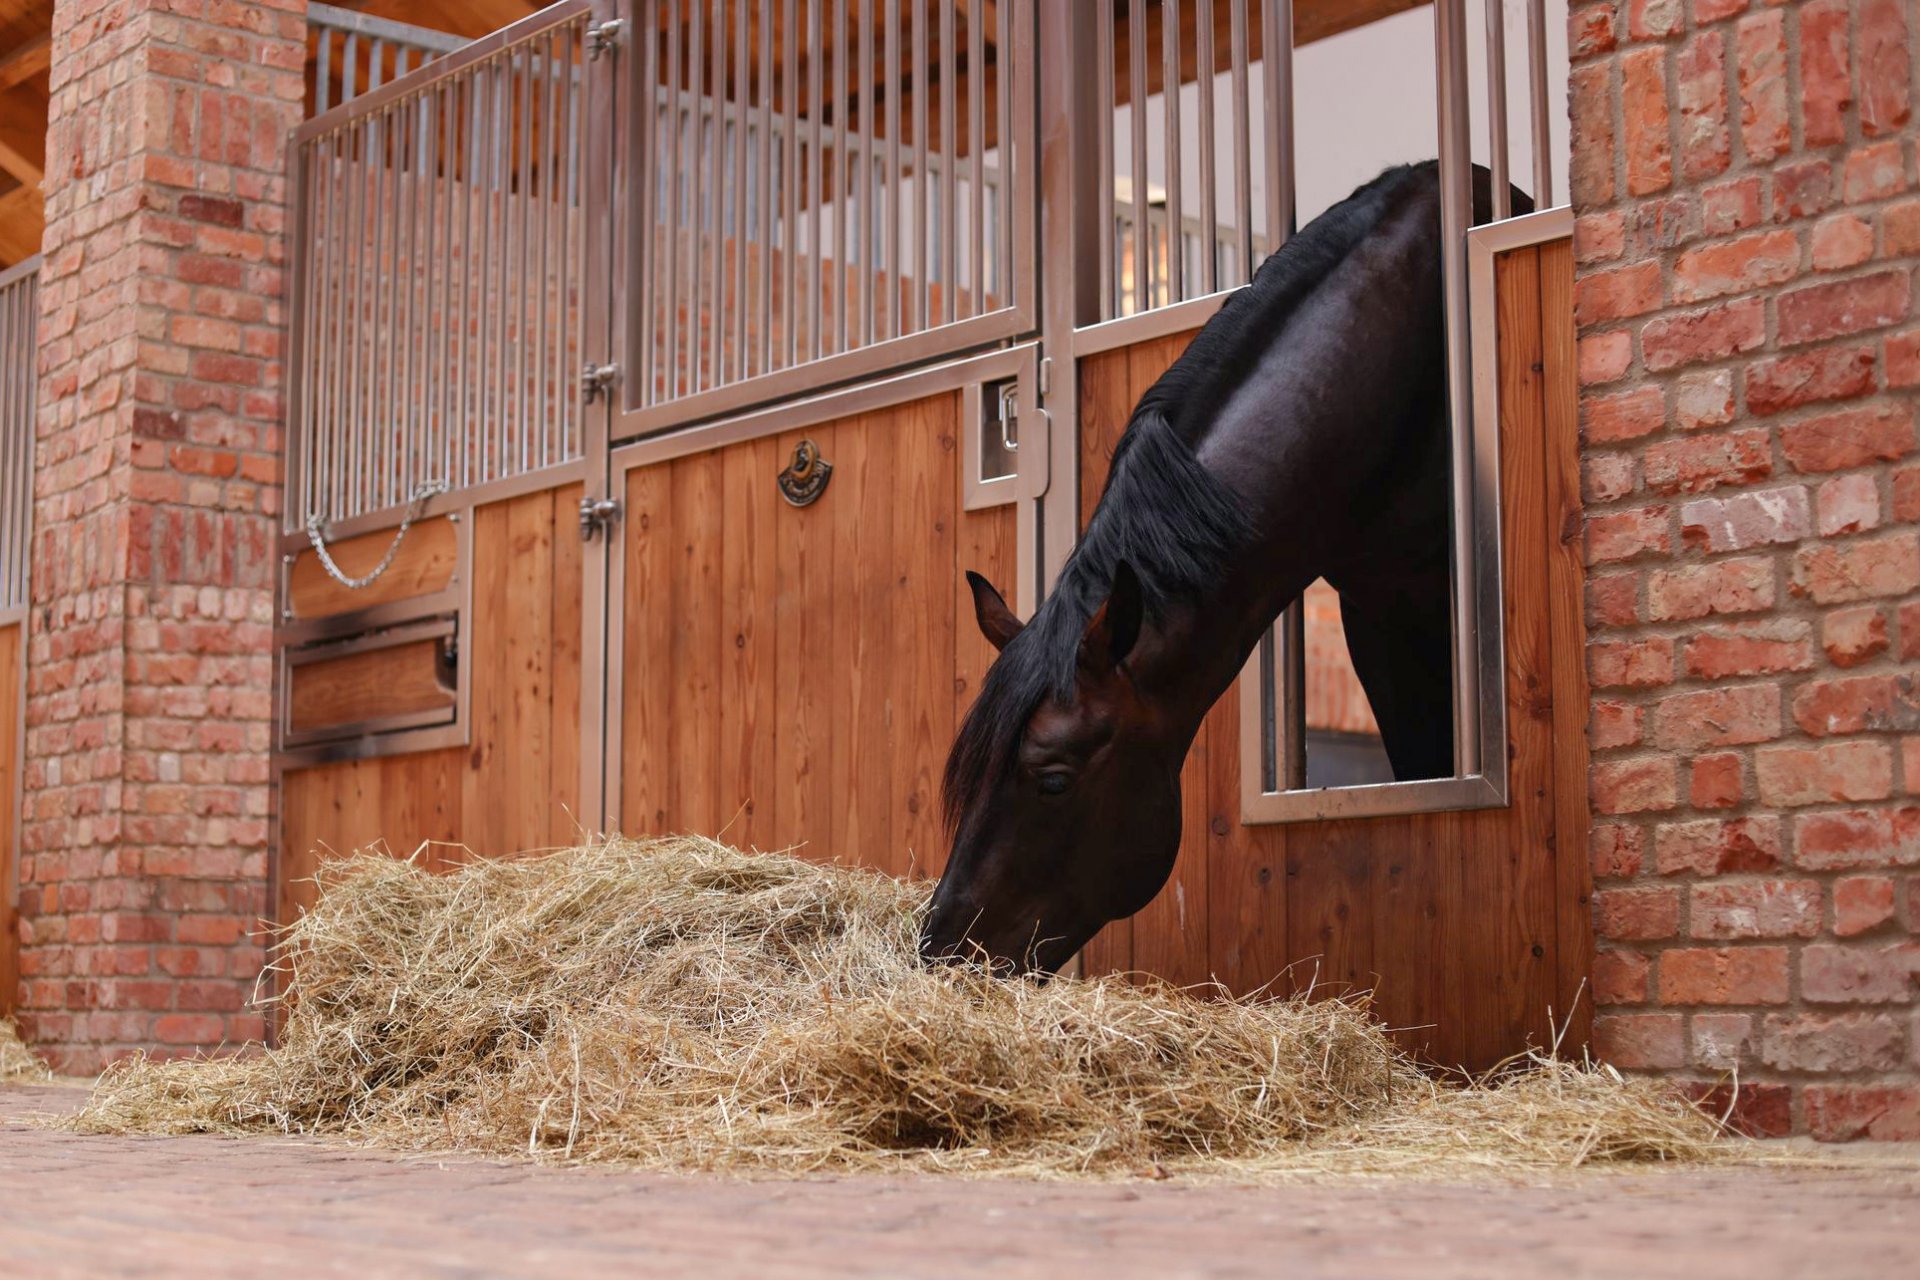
(25, 62)
(23, 136)
(22, 222)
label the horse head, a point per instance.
(1065, 808)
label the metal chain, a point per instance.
(316, 534)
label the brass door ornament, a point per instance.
(805, 478)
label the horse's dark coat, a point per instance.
(1301, 435)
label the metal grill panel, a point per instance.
(350, 53)
(820, 178)
(437, 276)
(19, 383)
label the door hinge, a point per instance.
(605, 36)
(597, 380)
(597, 514)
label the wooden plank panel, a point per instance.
(403, 679)
(425, 563)
(920, 682)
(1170, 933)
(805, 669)
(749, 593)
(1246, 869)
(507, 798)
(420, 804)
(693, 671)
(866, 638)
(1107, 397)
(563, 741)
(1509, 871)
(11, 712)
(1573, 950)
(986, 544)
(648, 624)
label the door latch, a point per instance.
(597, 514)
(597, 380)
(603, 37)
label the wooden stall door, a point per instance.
(12, 638)
(516, 785)
(1466, 927)
(792, 676)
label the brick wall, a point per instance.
(143, 860)
(1749, 220)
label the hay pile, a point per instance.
(17, 1062)
(678, 1004)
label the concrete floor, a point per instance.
(209, 1207)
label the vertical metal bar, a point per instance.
(383, 423)
(763, 309)
(644, 183)
(869, 194)
(815, 178)
(790, 188)
(323, 72)
(716, 109)
(1104, 145)
(1209, 216)
(977, 155)
(1242, 144)
(675, 168)
(365, 285)
(376, 64)
(891, 259)
(1170, 119)
(574, 250)
(551, 369)
(523, 349)
(501, 265)
(1290, 711)
(1497, 109)
(1137, 119)
(1277, 53)
(742, 83)
(434, 323)
(540, 362)
(697, 208)
(349, 63)
(1008, 70)
(400, 310)
(315, 258)
(1537, 94)
(922, 179)
(462, 427)
(841, 193)
(328, 435)
(1456, 216)
(949, 166)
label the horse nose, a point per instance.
(939, 939)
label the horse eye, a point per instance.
(1055, 784)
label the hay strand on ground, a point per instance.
(678, 1004)
(18, 1065)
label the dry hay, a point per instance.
(17, 1062)
(677, 1004)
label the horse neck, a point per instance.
(1191, 655)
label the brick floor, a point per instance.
(211, 1207)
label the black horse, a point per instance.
(1301, 435)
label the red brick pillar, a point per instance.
(1749, 224)
(149, 672)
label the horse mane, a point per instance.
(1162, 512)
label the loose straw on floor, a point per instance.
(680, 1005)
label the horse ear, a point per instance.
(1115, 625)
(998, 623)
